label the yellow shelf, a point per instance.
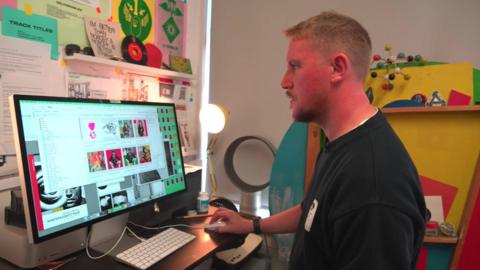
(440, 240)
(431, 109)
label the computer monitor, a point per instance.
(85, 160)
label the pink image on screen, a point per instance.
(114, 158)
(92, 134)
(140, 128)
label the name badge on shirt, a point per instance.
(311, 215)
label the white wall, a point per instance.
(248, 52)
(194, 50)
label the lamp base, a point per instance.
(250, 202)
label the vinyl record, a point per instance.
(134, 51)
(154, 56)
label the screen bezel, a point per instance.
(24, 176)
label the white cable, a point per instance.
(134, 234)
(106, 253)
(166, 226)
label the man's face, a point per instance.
(307, 80)
(73, 195)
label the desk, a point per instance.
(189, 256)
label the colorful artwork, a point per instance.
(126, 128)
(140, 128)
(144, 153)
(136, 18)
(170, 19)
(114, 159)
(96, 161)
(424, 80)
(130, 156)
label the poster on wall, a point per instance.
(138, 88)
(180, 93)
(69, 15)
(170, 23)
(89, 86)
(135, 18)
(33, 27)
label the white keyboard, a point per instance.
(152, 250)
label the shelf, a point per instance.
(440, 240)
(128, 67)
(431, 109)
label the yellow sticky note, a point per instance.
(62, 63)
(28, 9)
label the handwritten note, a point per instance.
(104, 37)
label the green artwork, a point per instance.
(135, 18)
(170, 27)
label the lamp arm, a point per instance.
(211, 142)
(211, 170)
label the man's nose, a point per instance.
(286, 82)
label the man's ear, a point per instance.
(340, 65)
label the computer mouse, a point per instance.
(214, 225)
(223, 202)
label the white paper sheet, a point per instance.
(90, 3)
(25, 68)
(434, 204)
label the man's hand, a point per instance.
(234, 223)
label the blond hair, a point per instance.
(333, 32)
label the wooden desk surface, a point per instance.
(187, 257)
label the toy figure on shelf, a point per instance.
(392, 65)
(436, 100)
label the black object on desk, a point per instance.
(14, 213)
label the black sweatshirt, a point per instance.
(365, 202)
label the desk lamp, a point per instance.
(214, 118)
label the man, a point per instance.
(364, 208)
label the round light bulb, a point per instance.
(213, 118)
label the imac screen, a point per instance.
(87, 160)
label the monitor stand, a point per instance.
(105, 234)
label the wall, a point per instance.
(194, 50)
(248, 58)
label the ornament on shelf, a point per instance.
(436, 100)
(392, 65)
(420, 98)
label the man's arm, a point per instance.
(283, 222)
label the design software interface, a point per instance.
(87, 160)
